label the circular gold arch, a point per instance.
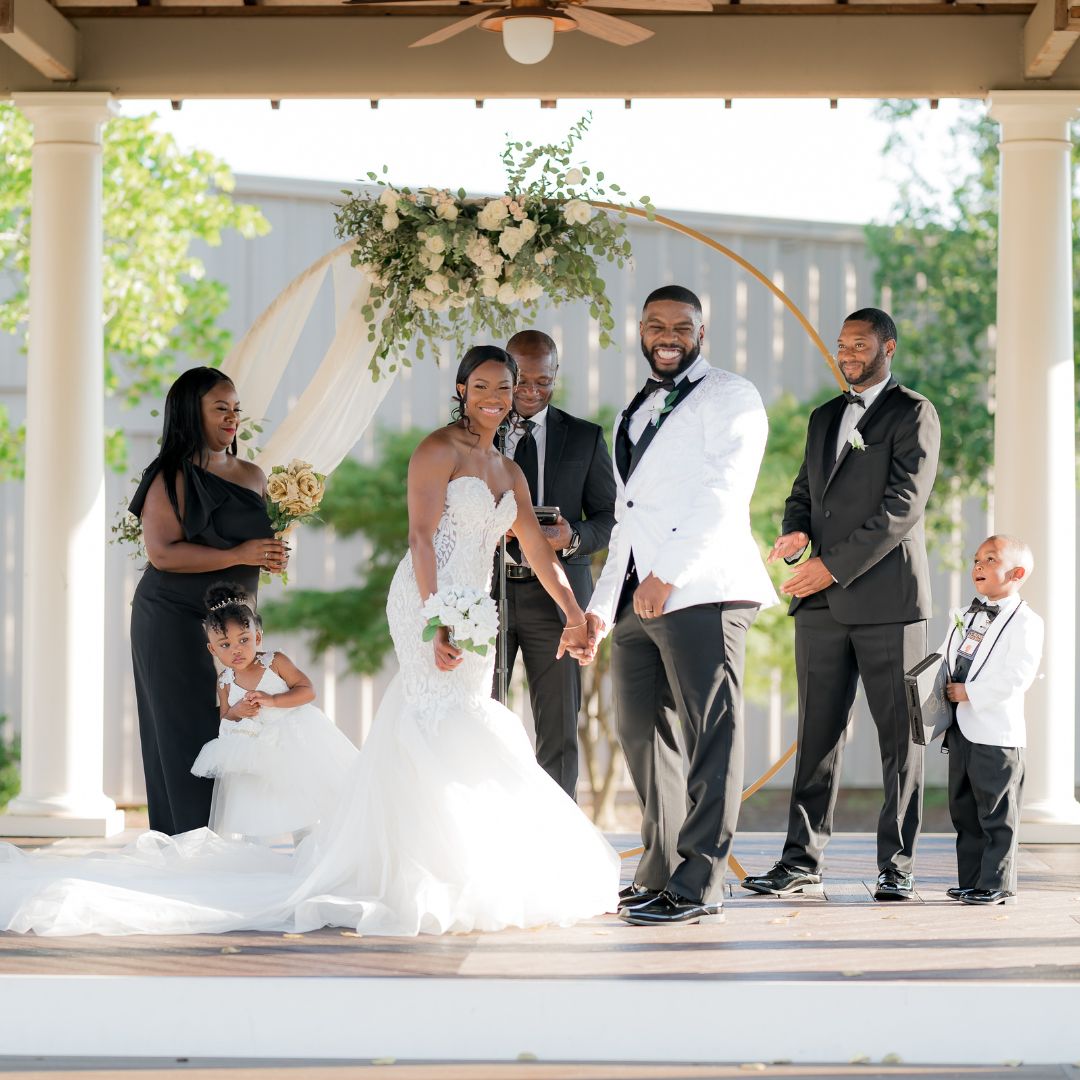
(815, 337)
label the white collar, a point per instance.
(540, 419)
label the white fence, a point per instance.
(823, 267)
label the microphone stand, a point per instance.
(500, 569)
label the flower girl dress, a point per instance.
(276, 773)
(447, 822)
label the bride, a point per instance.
(450, 825)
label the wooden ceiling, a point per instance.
(743, 48)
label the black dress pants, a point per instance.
(830, 658)
(534, 625)
(986, 785)
(678, 691)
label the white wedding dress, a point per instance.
(448, 823)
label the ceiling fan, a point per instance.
(528, 27)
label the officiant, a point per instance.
(567, 465)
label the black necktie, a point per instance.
(526, 456)
(854, 399)
(992, 610)
(651, 384)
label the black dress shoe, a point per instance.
(668, 907)
(635, 895)
(893, 884)
(986, 897)
(781, 880)
(956, 893)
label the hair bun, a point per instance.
(225, 593)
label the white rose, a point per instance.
(527, 228)
(574, 177)
(389, 198)
(489, 287)
(429, 261)
(390, 221)
(421, 299)
(436, 283)
(492, 215)
(506, 293)
(544, 257)
(435, 244)
(447, 211)
(440, 303)
(531, 291)
(577, 212)
(511, 241)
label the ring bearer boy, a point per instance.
(993, 651)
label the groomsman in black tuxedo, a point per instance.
(567, 465)
(860, 601)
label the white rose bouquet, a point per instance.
(469, 614)
(447, 268)
(294, 493)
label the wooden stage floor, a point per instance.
(769, 952)
(840, 934)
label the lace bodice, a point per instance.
(465, 541)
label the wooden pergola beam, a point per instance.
(37, 32)
(1050, 32)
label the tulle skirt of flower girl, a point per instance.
(447, 824)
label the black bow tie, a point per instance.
(854, 399)
(992, 610)
(652, 385)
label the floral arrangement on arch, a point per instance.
(448, 267)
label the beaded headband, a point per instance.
(238, 601)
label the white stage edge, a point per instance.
(593, 1020)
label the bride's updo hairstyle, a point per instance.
(477, 355)
(227, 603)
(182, 436)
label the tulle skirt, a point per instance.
(442, 827)
(277, 773)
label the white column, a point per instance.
(1034, 433)
(64, 511)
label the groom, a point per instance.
(682, 583)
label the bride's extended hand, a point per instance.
(447, 656)
(575, 641)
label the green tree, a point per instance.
(369, 501)
(159, 305)
(938, 261)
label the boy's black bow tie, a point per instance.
(992, 610)
(854, 399)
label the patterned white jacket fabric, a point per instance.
(684, 511)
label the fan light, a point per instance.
(528, 40)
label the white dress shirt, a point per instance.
(852, 414)
(539, 433)
(644, 415)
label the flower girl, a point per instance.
(279, 763)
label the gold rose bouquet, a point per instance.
(294, 493)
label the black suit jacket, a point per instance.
(579, 479)
(864, 515)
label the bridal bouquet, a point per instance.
(446, 266)
(469, 614)
(294, 493)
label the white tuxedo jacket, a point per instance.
(1001, 672)
(684, 511)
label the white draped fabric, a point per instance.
(342, 397)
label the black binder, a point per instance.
(929, 711)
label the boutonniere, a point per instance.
(856, 440)
(958, 622)
(668, 405)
